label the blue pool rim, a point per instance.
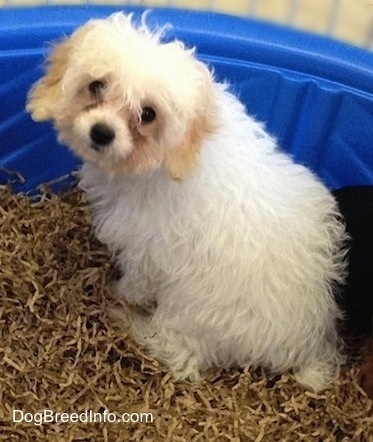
(314, 94)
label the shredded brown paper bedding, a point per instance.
(60, 350)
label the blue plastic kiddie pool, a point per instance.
(314, 94)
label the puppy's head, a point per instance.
(122, 99)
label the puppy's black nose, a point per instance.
(102, 134)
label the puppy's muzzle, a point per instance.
(101, 135)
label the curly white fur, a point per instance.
(234, 247)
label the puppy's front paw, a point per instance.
(134, 295)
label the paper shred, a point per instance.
(61, 350)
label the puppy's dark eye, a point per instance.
(96, 87)
(147, 115)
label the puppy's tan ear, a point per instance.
(181, 160)
(44, 95)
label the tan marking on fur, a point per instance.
(145, 156)
(42, 98)
(44, 95)
(181, 161)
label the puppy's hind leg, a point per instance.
(321, 369)
(180, 353)
(316, 375)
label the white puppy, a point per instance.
(234, 247)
